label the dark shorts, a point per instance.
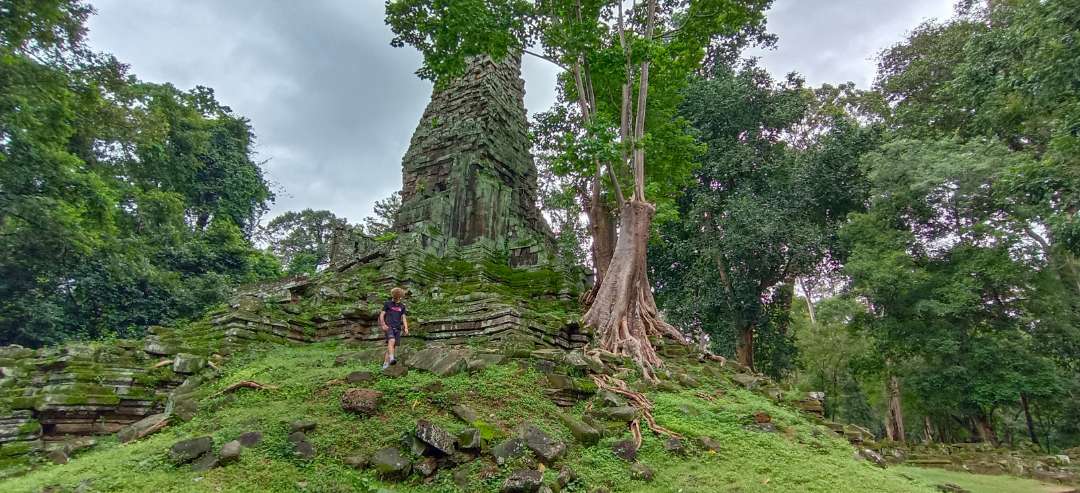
(393, 333)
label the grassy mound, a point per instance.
(798, 456)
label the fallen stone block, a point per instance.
(545, 447)
(389, 463)
(143, 427)
(508, 450)
(583, 433)
(188, 450)
(523, 481)
(230, 452)
(435, 437)
(364, 402)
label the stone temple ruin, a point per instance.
(485, 286)
(470, 244)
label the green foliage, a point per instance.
(830, 354)
(977, 482)
(948, 275)
(571, 147)
(761, 211)
(966, 259)
(122, 204)
(302, 240)
(1000, 70)
(385, 211)
(447, 33)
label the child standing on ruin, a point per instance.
(394, 323)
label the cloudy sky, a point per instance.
(333, 105)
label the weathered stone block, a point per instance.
(434, 436)
(188, 450)
(583, 433)
(544, 446)
(389, 462)
(364, 402)
(469, 438)
(523, 481)
(188, 363)
(509, 449)
(143, 427)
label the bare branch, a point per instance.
(547, 59)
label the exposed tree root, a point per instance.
(635, 429)
(161, 363)
(246, 384)
(623, 312)
(639, 401)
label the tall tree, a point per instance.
(122, 204)
(302, 240)
(623, 69)
(1003, 70)
(946, 283)
(385, 211)
(780, 175)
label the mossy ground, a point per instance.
(801, 456)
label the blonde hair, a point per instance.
(397, 294)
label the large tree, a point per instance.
(623, 68)
(948, 278)
(1004, 71)
(780, 174)
(122, 204)
(302, 240)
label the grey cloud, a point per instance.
(836, 40)
(334, 105)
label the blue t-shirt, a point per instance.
(394, 312)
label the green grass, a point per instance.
(979, 483)
(801, 456)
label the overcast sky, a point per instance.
(333, 105)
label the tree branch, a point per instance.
(547, 59)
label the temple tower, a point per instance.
(469, 181)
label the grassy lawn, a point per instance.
(979, 483)
(799, 457)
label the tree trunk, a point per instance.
(1027, 417)
(603, 234)
(602, 229)
(985, 427)
(894, 428)
(928, 430)
(624, 312)
(744, 346)
(784, 296)
(809, 301)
